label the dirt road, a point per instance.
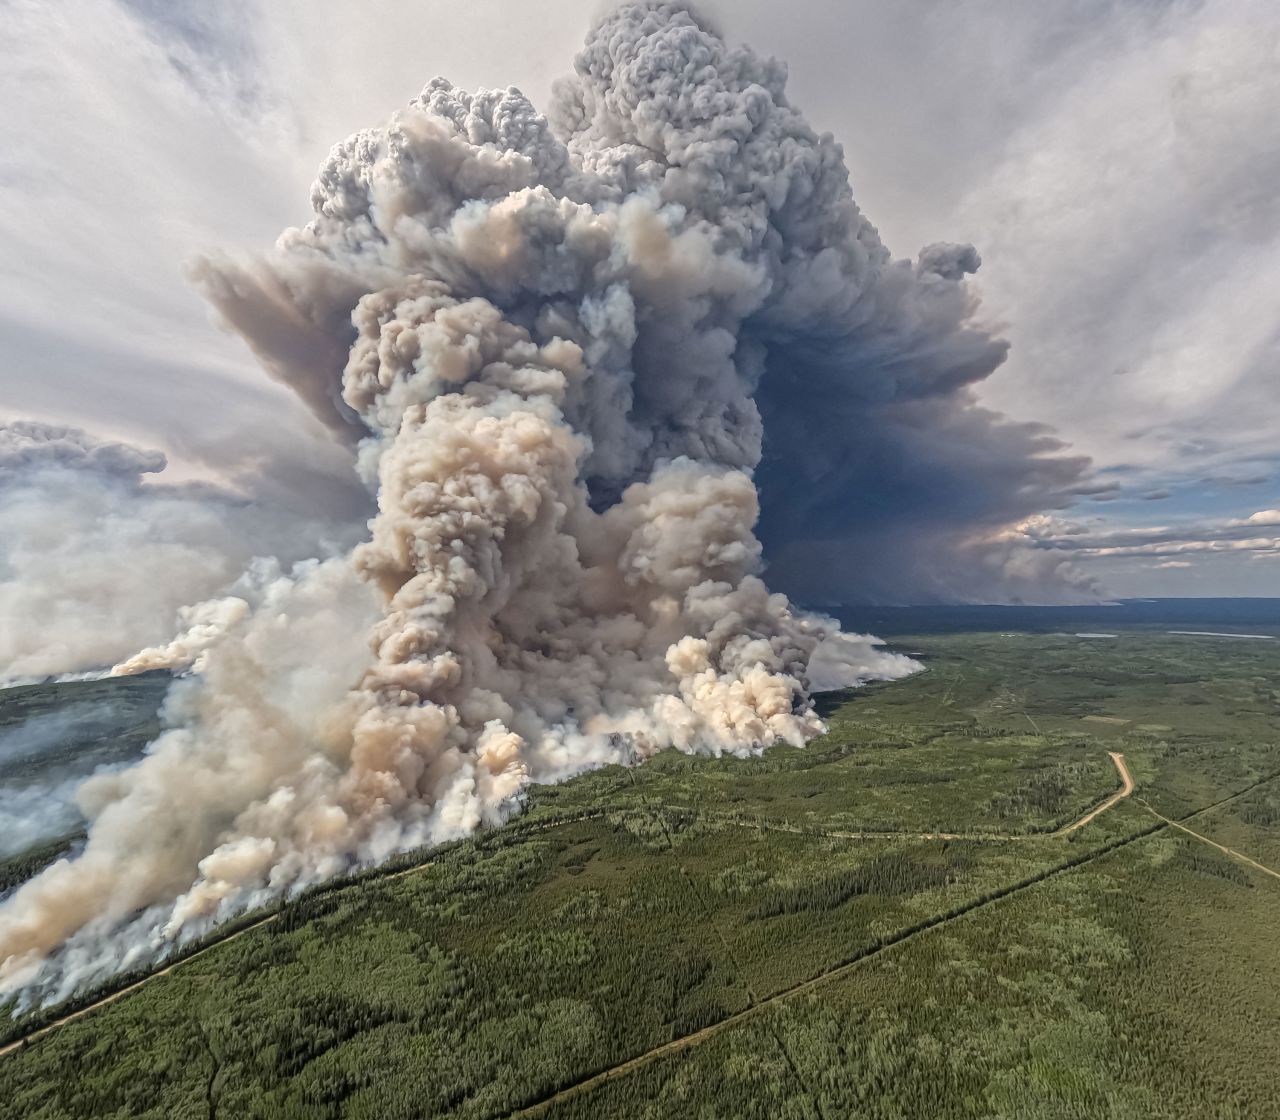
(1126, 788)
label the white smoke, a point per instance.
(849, 660)
(44, 758)
(545, 338)
(97, 560)
(203, 625)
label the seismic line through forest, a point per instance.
(1109, 802)
(892, 941)
(1213, 843)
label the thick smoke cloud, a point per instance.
(97, 560)
(914, 501)
(565, 350)
(881, 478)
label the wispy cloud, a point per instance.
(1114, 163)
(1229, 535)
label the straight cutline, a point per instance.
(687, 1041)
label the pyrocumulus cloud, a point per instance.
(565, 350)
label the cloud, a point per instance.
(31, 448)
(1262, 517)
(918, 503)
(97, 560)
(548, 335)
(984, 123)
(1132, 230)
(1112, 162)
(1129, 307)
(913, 502)
(1228, 535)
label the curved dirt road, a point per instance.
(1127, 788)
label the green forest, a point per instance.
(898, 921)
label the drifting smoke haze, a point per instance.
(97, 561)
(43, 761)
(577, 358)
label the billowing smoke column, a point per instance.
(547, 337)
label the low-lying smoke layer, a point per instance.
(549, 338)
(43, 760)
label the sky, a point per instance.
(1113, 162)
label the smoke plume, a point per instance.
(570, 353)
